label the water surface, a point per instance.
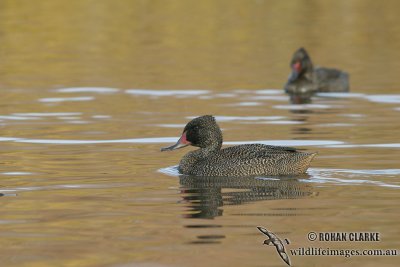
(91, 90)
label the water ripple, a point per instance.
(388, 145)
(341, 95)
(243, 118)
(247, 104)
(65, 99)
(269, 92)
(153, 140)
(147, 92)
(304, 106)
(66, 186)
(326, 176)
(270, 97)
(170, 171)
(346, 176)
(8, 117)
(48, 114)
(171, 125)
(285, 122)
(79, 142)
(159, 140)
(100, 90)
(384, 98)
(16, 173)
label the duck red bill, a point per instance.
(296, 68)
(182, 142)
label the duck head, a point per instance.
(201, 132)
(301, 65)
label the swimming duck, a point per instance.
(241, 160)
(305, 80)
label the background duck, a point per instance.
(305, 80)
(242, 160)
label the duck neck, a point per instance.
(206, 151)
(308, 72)
(212, 144)
(190, 161)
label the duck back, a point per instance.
(331, 80)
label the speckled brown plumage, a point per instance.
(242, 160)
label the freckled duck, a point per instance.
(306, 80)
(241, 160)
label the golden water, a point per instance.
(83, 182)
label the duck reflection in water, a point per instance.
(305, 79)
(205, 196)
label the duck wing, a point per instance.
(256, 150)
(255, 154)
(332, 80)
(327, 73)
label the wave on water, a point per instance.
(327, 176)
(305, 106)
(47, 114)
(243, 118)
(351, 177)
(63, 186)
(65, 99)
(147, 92)
(341, 95)
(16, 173)
(378, 98)
(159, 140)
(395, 99)
(170, 171)
(100, 90)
